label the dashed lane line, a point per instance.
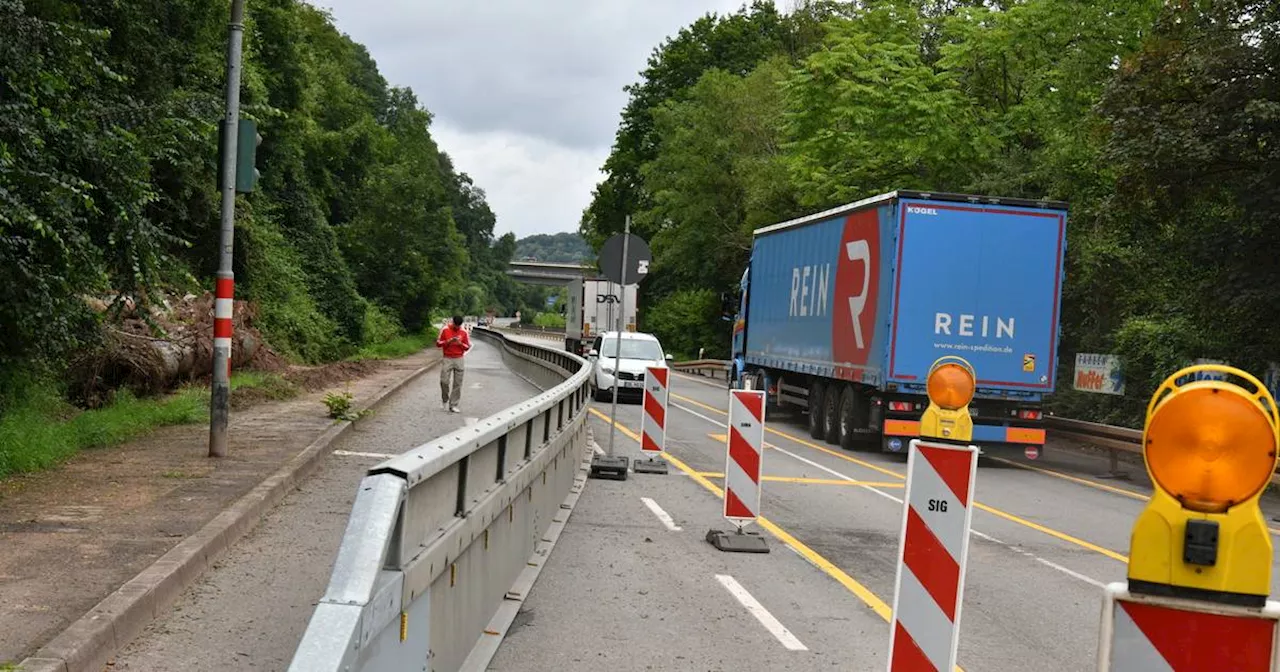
(753, 606)
(661, 514)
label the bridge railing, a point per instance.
(438, 535)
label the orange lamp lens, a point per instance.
(950, 386)
(1210, 449)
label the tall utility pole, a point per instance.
(622, 321)
(224, 291)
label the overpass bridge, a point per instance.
(546, 273)
(435, 542)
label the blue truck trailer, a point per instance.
(840, 314)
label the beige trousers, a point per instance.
(451, 369)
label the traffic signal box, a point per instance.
(1210, 448)
(950, 387)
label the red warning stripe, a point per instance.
(754, 403)
(647, 443)
(907, 656)
(952, 467)
(655, 410)
(746, 457)
(734, 508)
(1221, 642)
(222, 328)
(660, 374)
(224, 288)
(931, 564)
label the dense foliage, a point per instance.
(1156, 121)
(109, 117)
(567, 247)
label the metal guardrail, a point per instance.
(438, 535)
(712, 368)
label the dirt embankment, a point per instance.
(156, 350)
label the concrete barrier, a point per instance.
(439, 535)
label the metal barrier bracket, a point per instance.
(610, 467)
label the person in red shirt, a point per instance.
(454, 342)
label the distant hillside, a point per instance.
(555, 247)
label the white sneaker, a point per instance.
(454, 409)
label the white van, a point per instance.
(618, 363)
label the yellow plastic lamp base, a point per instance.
(1210, 449)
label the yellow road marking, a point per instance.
(1084, 481)
(829, 568)
(996, 512)
(1073, 479)
(796, 439)
(812, 481)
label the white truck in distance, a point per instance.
(595, 305)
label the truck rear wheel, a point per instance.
(831, 415)
(815, 410)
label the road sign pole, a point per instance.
(617, 257)
(613, 413)
(220, 393)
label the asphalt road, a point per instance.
(249, 611)
(1047, 535)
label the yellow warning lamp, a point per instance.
(1210, 448)
(950, 385)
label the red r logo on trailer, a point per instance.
(853, 323)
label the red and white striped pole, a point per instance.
(653, 422)
(931, 557)
(220, 394)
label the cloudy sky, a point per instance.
(526, 94)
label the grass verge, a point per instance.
(401, 346)
(44, 430)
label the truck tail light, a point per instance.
(1030, 414)
(904, 406)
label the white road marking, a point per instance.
(756, 609)
(1047, 563)
(662, 515)
(352, 453)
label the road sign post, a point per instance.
(653, 422)
(624, 259)
(743, 473)
(1200, 554)
(932, 553)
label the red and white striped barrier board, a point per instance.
(931, 557)
(653, 424)
(1144, 633)
(223, 303)
(744, 456)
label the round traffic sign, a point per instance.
(638, 258)
(1032, 452)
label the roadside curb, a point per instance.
(91, 641)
